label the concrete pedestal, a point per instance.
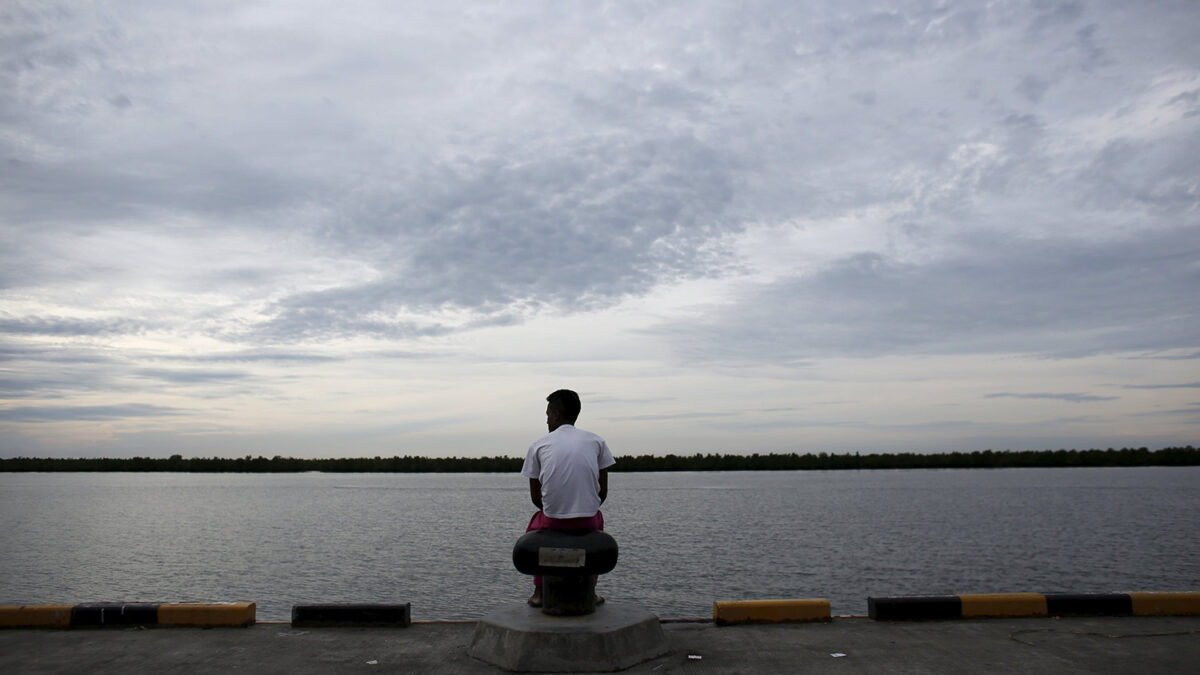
(615, 637)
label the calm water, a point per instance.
(444, 541)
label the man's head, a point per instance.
(562, 407)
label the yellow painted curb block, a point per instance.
(981, 605)
(35, 616)
(771, 611)
(207, 614)
(1166, 604)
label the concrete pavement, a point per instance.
(1070, 645)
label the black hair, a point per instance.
(566, 403)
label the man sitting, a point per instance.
(568, 475)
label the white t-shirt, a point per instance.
(568, 461)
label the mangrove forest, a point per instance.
(987, 459)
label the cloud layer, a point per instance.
(220, 217)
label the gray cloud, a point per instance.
(53, 385)
(1168, 357)
(673, 416)
(575, 227)
(79, 413)
(201, 179)
(1073, 398)
(1047, 297)
(864, 97)
(58, 373)
(52, 354)
(187, 377)
(16, 388)
(258, 356)
(1093, 54)
(55, 372)
(1153, 174)
(1192, 412)
(1033, 88)
(60, 326)
(1051, 15)
(1186, 385)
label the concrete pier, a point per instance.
(614, 637)
(1144, 645)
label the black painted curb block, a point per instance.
(352, 614)
(1076, 604)
(139, 614)
(919, 608)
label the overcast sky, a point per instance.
(378, 228)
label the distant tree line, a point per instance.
(987, 459)
(276, 464)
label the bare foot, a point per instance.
(535, 600)
(599, 599)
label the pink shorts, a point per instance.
(541, 521)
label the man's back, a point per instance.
(567, 462)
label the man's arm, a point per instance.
(535, 492)
(603, 485)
